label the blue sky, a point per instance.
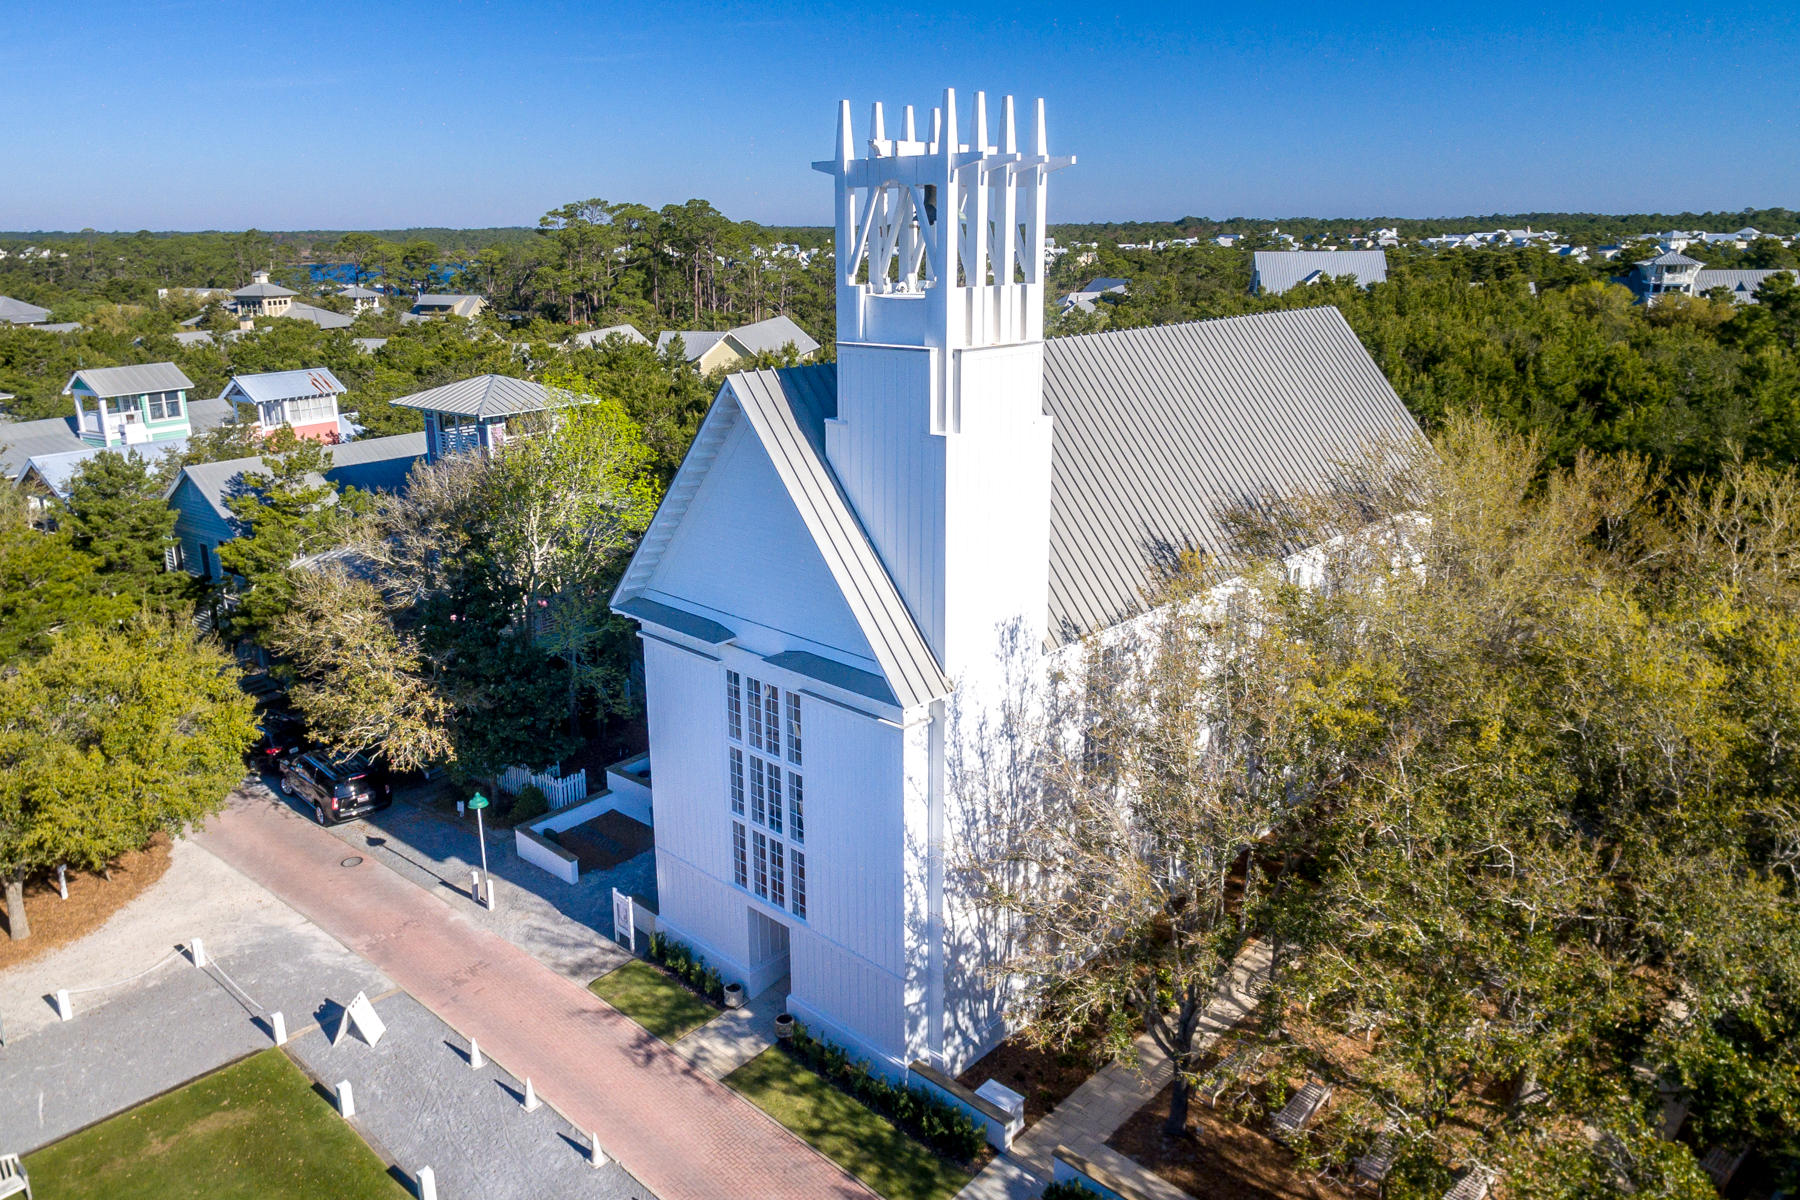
(190, 114)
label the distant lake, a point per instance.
(346, 272)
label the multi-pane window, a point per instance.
(796, 808)
(772, 720)
(799, 860)
(756, 722)
(793, 728)
(767, 789)
(164, 405)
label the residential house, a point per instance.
(305, 400)
(17, 312)
(711, 350)
(1670, 273)
(363, 299)
(428, 304)
(116, 406)
(200, 494)
(482, 413)
(324, 318)
(1093, 292)
(23, 441)
(594, 337)
(45, 477)
(260, 298)
(1275, 271)
(856, 558)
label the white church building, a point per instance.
(853, 553)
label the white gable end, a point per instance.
(743, 556)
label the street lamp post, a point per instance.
(479, 802)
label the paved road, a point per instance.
(681, 1133)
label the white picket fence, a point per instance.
(570, 789)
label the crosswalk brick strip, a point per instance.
(684, 1135)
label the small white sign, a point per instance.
(361, 1014)
(624, 927)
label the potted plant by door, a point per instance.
(734, 995)
(784, 1027)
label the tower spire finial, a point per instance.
(846, 151)
(981, 124)
(1011, 145)
(1043, 137)
(877, 127)
(949, 145)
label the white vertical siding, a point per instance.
(744, 551)
(891, 464)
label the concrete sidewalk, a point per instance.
(737, 1035)
(680, 1132)
(1093, 1112)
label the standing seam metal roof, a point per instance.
(268, 386)
(106, 382)
(1160, 433)
(1279, 270)
(481, 396)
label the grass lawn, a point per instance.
(652, 999)
(255, 1130)
(845, 1131)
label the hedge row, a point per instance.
(943, 1127)
(688, 967)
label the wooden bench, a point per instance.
(13, 1179)
(1720, 1164)
(1372, 1166)
(1221, 1075)
(1473, 1185)
(1301, 1108)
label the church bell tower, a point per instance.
(940, 437)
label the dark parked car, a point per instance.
(283, 735)
(339, 789)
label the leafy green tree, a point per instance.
(108, 738)
(289, 510)
(117, 513)
(47, 586)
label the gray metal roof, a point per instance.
(17, 312)
(1742, 284)
(1160, 433)
(482, 396)
(56, 470)
(324, 318)
(130, 381)
(695, 342)
(1105, 283)
(374, 464)
(593, 337)
(1671, 258)
(655, 612)
(1279, 270)
(21, 441)
(268, 386)
(354, 292)
(768, 337)
(263, 291)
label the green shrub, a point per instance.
(1068, 1190)
(530, 804)
(944, 1128)
(685, 965)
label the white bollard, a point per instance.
(427, 1184)
(279, 1025)
(64, 1010)
(475, 1059)
(62, 880)
(197, 948)
(490, 893)
(475, 885)
(346, 1099)
(531, 1100)
(596, 1156)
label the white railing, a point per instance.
(570, 789)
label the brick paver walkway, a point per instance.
(684, 1135)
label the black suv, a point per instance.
(339, 789)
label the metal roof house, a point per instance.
(1672, 273)
(17, 312)
(1085, 297)
(116, 406)
(361, 297)
(23, 441)
(480, 414)
(857, 562)
(199, 495)
(720, 350)
(1275, 271)
(596, 337)
(306, 400)
(429, 304)
(260, 298)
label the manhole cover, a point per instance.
(355, 860)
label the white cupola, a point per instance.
(940, 438)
